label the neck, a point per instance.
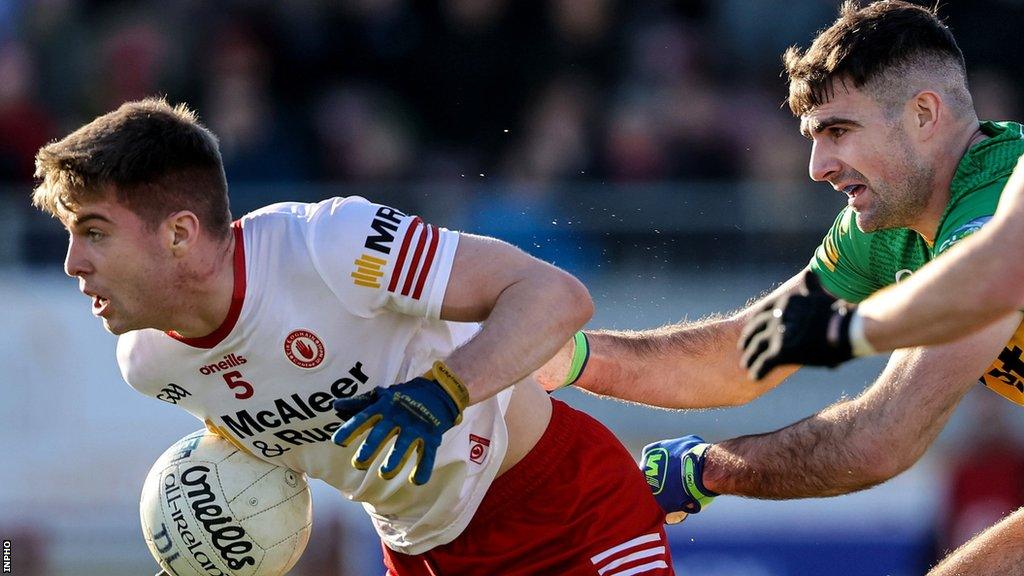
(206, 291)
(945, 169)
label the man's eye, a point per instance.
(94, 234)
(837, 132)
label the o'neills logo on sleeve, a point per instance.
(304, 349)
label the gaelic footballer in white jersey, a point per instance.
(331, 300)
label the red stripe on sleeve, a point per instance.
(425, 270)
(414, 264)
(396, 272)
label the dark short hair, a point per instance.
(158, 158)
(865, 43)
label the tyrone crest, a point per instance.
(304, 349)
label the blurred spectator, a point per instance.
(634, 150)
(361, 136)
(671, 91)
(9, 15)
(996, 96)
(582, 39)
(555, 143)
(24, 124)
(64, 49)
(132, 64)
(256, 143)
(533, 92)
(749, 37)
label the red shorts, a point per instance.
(576, 505)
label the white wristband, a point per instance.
(859, 344)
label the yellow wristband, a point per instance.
(451, 384)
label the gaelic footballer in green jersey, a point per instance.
(852, 264)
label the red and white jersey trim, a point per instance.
(415, 257)
(642, 555)
(237, 298)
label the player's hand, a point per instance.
(674, 470)
(415, 413)
(808, 327)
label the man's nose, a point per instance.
(824, 163)
(75, 262)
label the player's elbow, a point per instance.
(571, 298)
(881, 463)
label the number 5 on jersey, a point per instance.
(242, 388)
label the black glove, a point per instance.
(808, 327)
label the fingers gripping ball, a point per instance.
(674, 470)
(415, 414)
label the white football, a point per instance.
(209, 509)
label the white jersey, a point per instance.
(331, 300)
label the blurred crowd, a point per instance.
(509, 96)
(395, 90)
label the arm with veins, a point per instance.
(864, 441)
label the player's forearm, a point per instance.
(828, 454)
(858, 443)
(530, 321)
(995, 552)
(925, 310)
(686, 365)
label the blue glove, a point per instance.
(674, 470)
(417, 412)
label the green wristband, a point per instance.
(580, 356)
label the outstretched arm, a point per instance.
(861, 442)
(684, 365)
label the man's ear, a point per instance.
(927, 111)
(183, 231)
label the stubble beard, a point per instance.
(899, 205)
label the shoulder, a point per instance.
(978, 184)
(968, 215)
(140, 357)
(352, 217)
(303, 214)
(989, 162)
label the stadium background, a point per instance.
(640, 145)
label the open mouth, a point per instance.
(99, 304)
(853, 190)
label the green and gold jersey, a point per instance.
(853, 264)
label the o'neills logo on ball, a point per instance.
(304, 349)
